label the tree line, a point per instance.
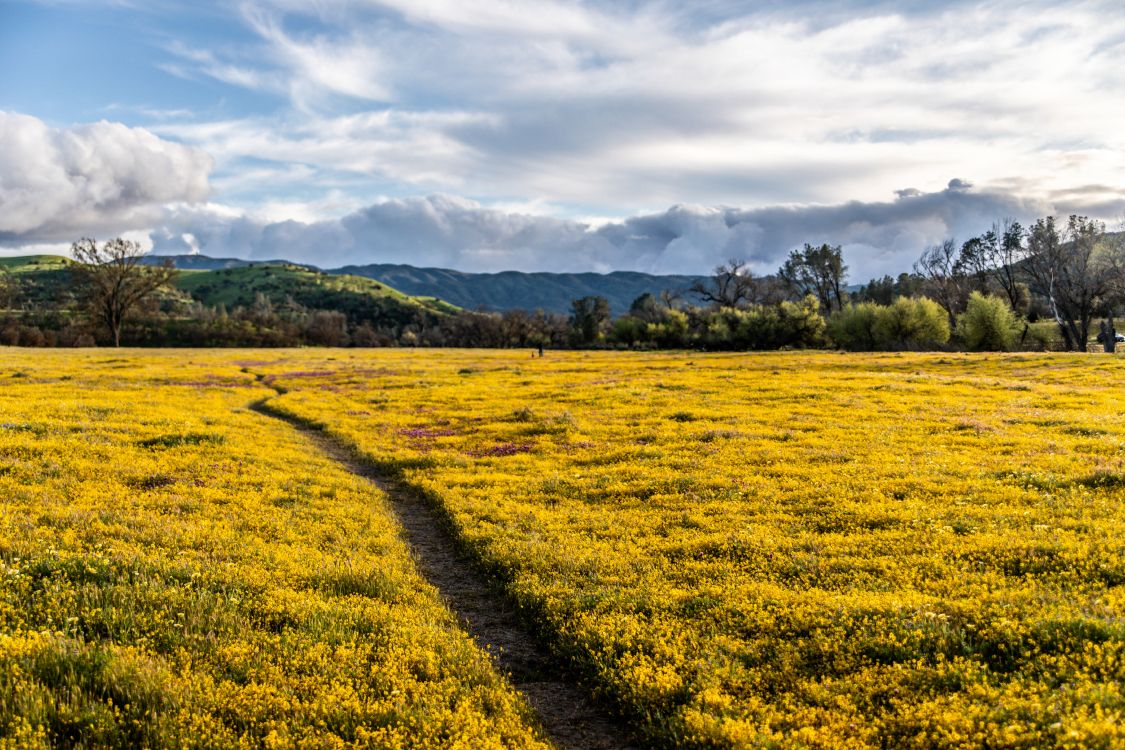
(1038, 287)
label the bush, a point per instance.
(796, 325)
(988, 324)
(912, 324)
(906, 324)
(853, 328)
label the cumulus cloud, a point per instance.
(616, 108)
(56, 184)
(878, 237)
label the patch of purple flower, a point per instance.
(426, 432)
(502, 449)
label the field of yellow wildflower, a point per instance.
(179, 571)
(779, 550)
(788, 549)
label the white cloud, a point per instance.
(626, 107)
(451, 232)
(57, 184)
(608, 109)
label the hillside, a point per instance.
(357, 297)
(44, 281)
(45, 284)
(508, 290)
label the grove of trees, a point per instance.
(1039, 287)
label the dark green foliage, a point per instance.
(819, 271)
(589, 319)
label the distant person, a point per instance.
(540, 350)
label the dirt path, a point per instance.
(570, 719)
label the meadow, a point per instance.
(177, 570)
(770, 550)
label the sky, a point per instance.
(488, 135)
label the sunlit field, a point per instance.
(178, 571)
(784, 549)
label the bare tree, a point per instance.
(117, 281)
(671, 298)
(943, 279)
(1076, 270)
(731, 285)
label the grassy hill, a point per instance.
(45, 283)
(240, 286)
(34, 263)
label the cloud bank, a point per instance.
(56, 184)
(450, 232)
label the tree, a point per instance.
(647, 308)
(328, 328)
(671, 298)
(819, 271)
(993, 260)
(944, 280)
(988, 324)
(731, 285)
(886, 290)
(1076, 270)
(1012, 253)
(588, 319)
(9, 291)
(117, 281)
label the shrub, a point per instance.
(853, 327)
(672, 331)
(988, 324)
(912, 324)
(908, 323)
(787, 325)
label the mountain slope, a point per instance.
(357, 297)
(508, 290)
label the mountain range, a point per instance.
(507, 290)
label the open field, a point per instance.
(787, 549)
(180, 571)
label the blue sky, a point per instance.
(544, 135)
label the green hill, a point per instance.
(45, 283)
(34, 263)
(279, 283)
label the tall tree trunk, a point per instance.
(1064, 325)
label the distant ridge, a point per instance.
(507, 290)
(206, 263)
(510, 290)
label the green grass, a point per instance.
(34, 263)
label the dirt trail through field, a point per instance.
(569, 717)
